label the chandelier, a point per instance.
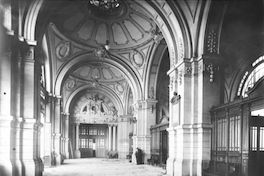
(105, 4)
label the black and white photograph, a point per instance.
(131, 87)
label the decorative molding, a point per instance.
(157, 35)
(188, 71)
(192, 7)
(137, 59)
(211, 43)
(70, 84)
(63, 50)
(179, 77)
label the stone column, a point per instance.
(109, 137)
(77, 152)
(16, 125)
(5, 102)
(62, 146)
(48, 133)
(146, 117)
(124, 128)
(17, 131)
(114, 137)
(30, 136)
(173, 121)
(67, 116)
(57, 131)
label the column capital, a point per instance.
(29, 52)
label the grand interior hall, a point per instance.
(175, 85)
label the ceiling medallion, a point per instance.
(105, 4)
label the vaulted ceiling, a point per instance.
(76, 31)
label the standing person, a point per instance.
(139, 156)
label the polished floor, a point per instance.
(102, 167)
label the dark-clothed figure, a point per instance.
(139, 156)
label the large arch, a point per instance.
(125, 69)
(170, 24)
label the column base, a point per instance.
(134, 159)
(199, 166)
(30, 168)
(67, 155)
(47, 161)
(17, 167)
(5, 145)
(5, 167)
(58, 159)
(182, 167)
(77, 154)
(170, 166)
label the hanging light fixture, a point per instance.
(105, 4)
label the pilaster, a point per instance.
(66, 133)
(5, 103)
(77, 153)
(189, 130)
(16, 157)
(57, 131)
(5, 160)
(30, 159)
(146, 117)
(30, 102)
(124, 128)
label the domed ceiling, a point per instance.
(98, 71)
(124, 27)
(96, 76)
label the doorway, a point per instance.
(93, 140)
(163, 146)
(256, 141)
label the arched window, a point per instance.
(249, 80)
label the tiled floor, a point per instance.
(102, 167)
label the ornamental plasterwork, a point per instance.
(63, 50)
(137, 59)
(95, 108)
(179, 76)
(211, 41)
(188, 71)
(70, 84)
(180, 49)
(127, 27)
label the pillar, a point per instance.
(66, 147)
(30, 134)
(17, 131)
(146, 117)
(124, 129)
(114, 137)
(57, 131)
(77, 152)
(5, 101)
(18, 121)
(109, 137)
(48, 133)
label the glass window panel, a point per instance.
(90, 143)
(253, 138)
(261, 140)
